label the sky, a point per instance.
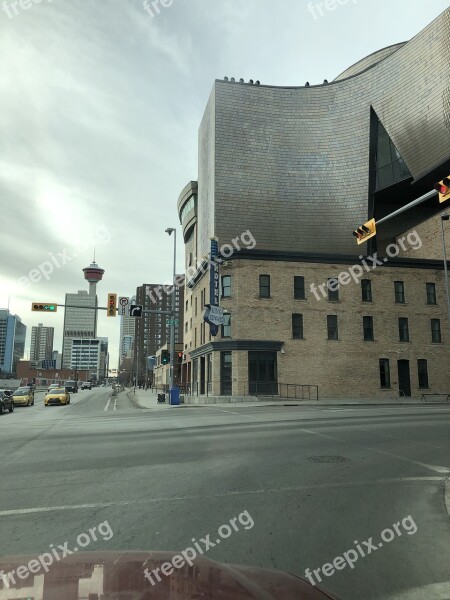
(100, 105)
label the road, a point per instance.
(314, 481)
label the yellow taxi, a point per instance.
(57, 396)
(23, 396)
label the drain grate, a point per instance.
(329, 459)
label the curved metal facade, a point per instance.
(292, 164)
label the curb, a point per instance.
(447, 495)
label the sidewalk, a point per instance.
(148, 399)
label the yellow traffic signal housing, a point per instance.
(111, 309)
(50, 307)
(443, 187)
(365, 232)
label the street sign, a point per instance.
(123, 305)
(214, 315)
(136, 310)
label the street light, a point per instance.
(445, 217)
(171, 230)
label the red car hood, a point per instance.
(120, 576)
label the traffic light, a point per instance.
(180, 357)
(111, 309)
(443, 187)
(165, 357)
(44, 307)
(365, 232)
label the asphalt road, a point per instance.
(304, 485)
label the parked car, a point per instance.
(57, 396)
(86, 385)
(71, 386)
(23, 396)
(6, 401)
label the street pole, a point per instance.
(445, 217)
(171, 230)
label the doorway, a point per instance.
(404, 379)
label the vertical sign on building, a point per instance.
(214, 314)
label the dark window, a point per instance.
(333, 289)
(195, 306)
(332, 326)
(436, 330)
(299, 288)
(226, 286)
(422, 371)
(366, 290)
(226, 327)
(264, 286)
(385, 374)
(403, 329)
(390, 167)
(431, 293)
(399, 288)
(368, 329)
(297, 327)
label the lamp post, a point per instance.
(445, 217)
(171, 230)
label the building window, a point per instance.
(366, 290)
(190, 324)
(431, 293)
(196, 306)
(399, 288)
(226, 327)
(299, 288)
(385, 373)
(333, 289)
(368, 329)
(422, 371)
(297, 327)
(226, 286)
(195, 337)
(390, 166)
(264, 286)
(332, 326)
(403, 329)
(436, 330)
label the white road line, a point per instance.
(435, 468)
(107, 404)
(294, 489)
(115, 404)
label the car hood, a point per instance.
(121, 576)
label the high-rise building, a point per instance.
(127, 330)
(57, 356)
(81, 322)
(153, 330)
(41, 342)
(12, 341)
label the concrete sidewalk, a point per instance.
(148, 399)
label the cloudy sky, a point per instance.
(100, 104)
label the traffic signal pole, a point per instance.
(423, 198)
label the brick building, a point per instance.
(300, 168)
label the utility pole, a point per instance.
(445, 217)
(171, 230)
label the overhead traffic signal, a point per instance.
(165, 357)
(111, 309)
(44, 307)
(180, 357)
(443, 188)
(365, 232)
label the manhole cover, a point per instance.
(328, 459)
